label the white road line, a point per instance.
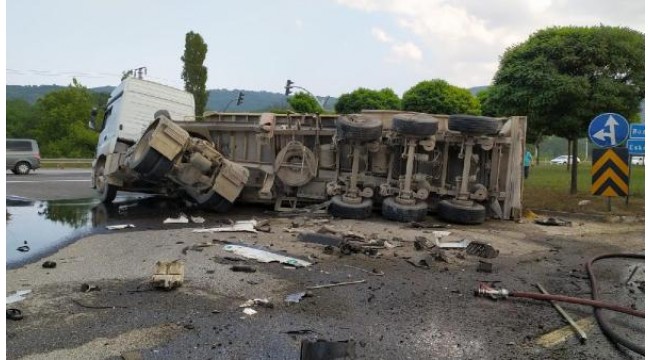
(45, 181)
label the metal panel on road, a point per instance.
(610, 173)
(608, 130)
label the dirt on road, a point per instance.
(414, 304)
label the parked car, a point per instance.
(563, 160)
(638, 160)
(23, 156)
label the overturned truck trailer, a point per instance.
(464, 168)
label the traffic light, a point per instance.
(240, 98)
(287, 88)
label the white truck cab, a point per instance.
(131, 108)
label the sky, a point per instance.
(329, 47)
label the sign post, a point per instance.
(636, 146)
(610, 169)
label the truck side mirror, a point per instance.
(93, 116)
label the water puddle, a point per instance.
(37, 228)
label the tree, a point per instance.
(61, 127)
(194, 73)
(304, 103)
(366, 99)
(21, 121)
(562, 77)
(439, 97)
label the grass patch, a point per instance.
(547, 188)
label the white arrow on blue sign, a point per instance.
(608, 130)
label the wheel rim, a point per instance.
(100, 182)
(23, 168)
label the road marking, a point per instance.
(43, 181)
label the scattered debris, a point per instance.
(553, 222)
(374, 272)
(582, 203)
(249, 311)
(454, 244)
(422, 261)
(197, 219)
(243, 268)
(345, 283)
(263, 226)
(320, 349)
(17, 296)
(566, 316)
(481, 249)
(168, 274)
(428, 225)
(484, 266)
(265, 256)
(24, 248)
(88, 288)
(181, 219)
(318, 238)
(119, 227)
(528, 214)
(300, 332)
(197, 247)
(257, 302)
(389, 245)
(629, 279)
(49, 264)
(295, 298)
(238, 226)
(14, 314)
(440, 255)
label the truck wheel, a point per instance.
(461, 212)
(22, 168)
(160, 113)
(474, 125)
(358, 128)
(392, 210)
(421, 125)
(107, 192)
(341, 209)
(147, 161)
(216, 203)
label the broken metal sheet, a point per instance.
(295, 298)
(119, 227)
(257, 302)
(17, 296)
(454, 244)
(553, 222)
(265, 256)
(243, 226)
(181, 219)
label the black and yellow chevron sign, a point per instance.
(610, 172)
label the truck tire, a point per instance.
(160, 113)
(107, 192)
(148, 162)
(459, 213)
(473, 125)
(341, 209)
(421, 125)
(392, 210)
(358, 128)
(217, 203)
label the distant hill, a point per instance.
(254, 101)
(475, 90)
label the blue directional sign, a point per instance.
(637, 131)
(608, 130)
(636, 147)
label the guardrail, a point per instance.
(64, 162)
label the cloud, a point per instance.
(461, 41)
(405, 51)
(381, 35)
(299, 23)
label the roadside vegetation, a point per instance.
(547, 188)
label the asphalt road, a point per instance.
(407, 313)
(51, 184)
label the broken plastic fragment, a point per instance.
(265, 256)
(119, 227)
(244, 225)
(249, 311)
(17, 296)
